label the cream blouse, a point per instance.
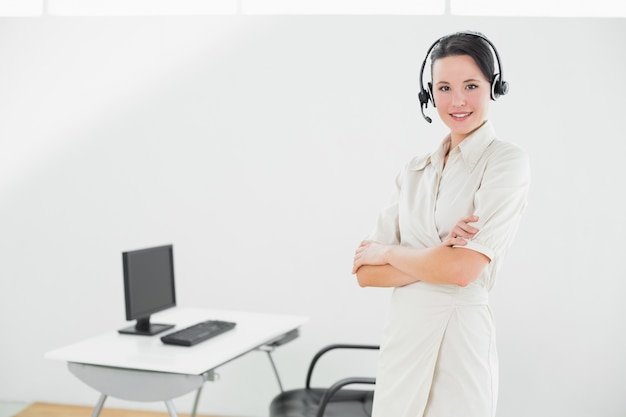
(483, 176)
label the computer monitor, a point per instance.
(148, 287)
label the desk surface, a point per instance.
(149, 353)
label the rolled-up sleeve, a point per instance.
(387, 229)
(500, 202)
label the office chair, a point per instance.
(334, 401)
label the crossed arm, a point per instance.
(379, 265)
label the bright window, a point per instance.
(21, 7)
(553, 8)
(400, 7)
(531, 8)
(140, 7)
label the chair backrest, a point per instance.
(327, 349)
(314, 402)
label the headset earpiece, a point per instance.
(431, 94)
(498, 87)
(427, 95)
(424, 97)
(495, 87)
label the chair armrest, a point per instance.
(327, 349)
(336, 387)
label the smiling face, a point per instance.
(462, 94)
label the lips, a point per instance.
(460, 116)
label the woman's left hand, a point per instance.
(461, 232)
(369, 253)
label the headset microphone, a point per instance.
(428, 119)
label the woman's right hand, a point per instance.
(461, 232)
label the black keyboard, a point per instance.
(197, 333)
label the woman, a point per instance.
(440, 244)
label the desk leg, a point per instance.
(99, 405)
(195, 403)
(170, 408)
(169, 404)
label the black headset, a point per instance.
(499, 87)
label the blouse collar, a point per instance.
(471, 148)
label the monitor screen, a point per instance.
(148, 287)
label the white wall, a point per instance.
(262, 148)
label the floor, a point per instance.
(37, 409)
(9, 409)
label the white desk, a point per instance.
(142, 368)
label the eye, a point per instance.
(444, 88)
(471, 86)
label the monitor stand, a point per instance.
(145, 328)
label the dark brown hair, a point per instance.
(466, 43)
